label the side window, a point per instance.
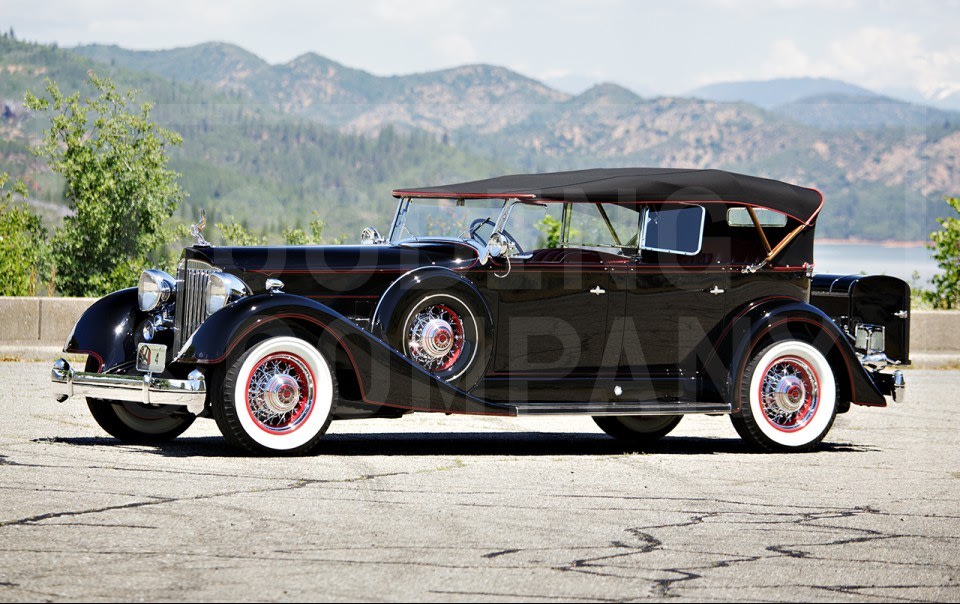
(673, 229)
(604, 225)
(740, 217)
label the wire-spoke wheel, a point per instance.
(443, 333)
(277, 397)
(788, 397)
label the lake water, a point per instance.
(853, 259)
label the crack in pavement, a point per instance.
(605, 565)
(296, 484)
(491, 594)
(500, 553)
(858, 590)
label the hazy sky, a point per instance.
(664, 47)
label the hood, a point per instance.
(305, 268)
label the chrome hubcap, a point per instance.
(435, 337)
(790, 393)
(282, 393)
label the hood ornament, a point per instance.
(196, 230)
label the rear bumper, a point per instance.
(147, 389)
(891, 384)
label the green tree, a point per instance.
(297, 236)
(235, 233)
(945, 244)
(24, 249)
(114, 161)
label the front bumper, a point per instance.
(147, 389)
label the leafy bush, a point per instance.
(946, 251)
(24, 250)
(235, 233)
(297, 236)
(118, 185)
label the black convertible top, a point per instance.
(638, 185)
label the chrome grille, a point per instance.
(191, 306)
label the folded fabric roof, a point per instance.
(626, 186)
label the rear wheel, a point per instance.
(638, 430)
(788, 397)
(136, 422)
(278, 397)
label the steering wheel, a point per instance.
(479, 222)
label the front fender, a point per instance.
(107, 329)
(428, 278)
(773, 319)
(385, 376)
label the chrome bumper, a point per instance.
(891, 384)
(899, 387)
(147, 389)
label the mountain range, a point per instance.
(882, 163)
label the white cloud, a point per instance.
(786, 60)
(411, 11)
(455, 49)
(668, 46)
(884, 57)
(552, 74)
(753, 6)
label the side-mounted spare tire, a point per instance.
(442, 324)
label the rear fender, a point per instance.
(384, 376)
(776, 319)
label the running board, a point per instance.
(653, 408)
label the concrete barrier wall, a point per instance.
(48, 321)
(39, 321)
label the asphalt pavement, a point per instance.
(431, 507)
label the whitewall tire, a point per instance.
(788, 397)
(277, 397)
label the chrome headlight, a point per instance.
(154, 288)
(222, 289)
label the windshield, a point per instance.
(447, 218)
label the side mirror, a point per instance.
(370, 236)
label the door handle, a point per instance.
(716, 291)
(598, 290)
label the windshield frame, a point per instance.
(400, 217)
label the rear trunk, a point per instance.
(853, 300)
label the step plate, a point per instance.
(655, 408)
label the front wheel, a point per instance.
(788, 397)
(135, 422)
(278, 397)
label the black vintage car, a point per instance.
(633, 295)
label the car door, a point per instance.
(674, 304)
(554, 335)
